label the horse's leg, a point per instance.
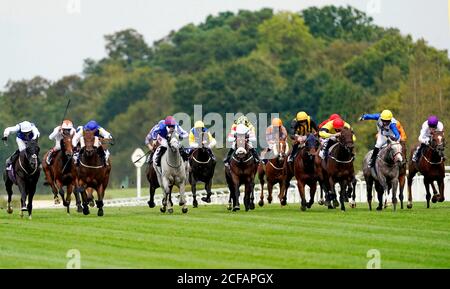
(236, 205)
(435, 196)
(380, 192)
(208, 186)
(252, 194)
(60, 188)
(411, 174)
(51, 183)
(151, 202)
(23, 197)
(394, 185)
(69, 196)
(194, 192)
(441, 190)
(261, 182)
(401, 184)
(99, 202)
(270, 191)
(312, 193)
(426, 182)
(8, 187)
(76, 192)
(353, 188)
(369, 187)
(85, 200)
(343, 193)
(301, 190)
(165, 198)
(32, 191)
(183, 202)
(333, 196)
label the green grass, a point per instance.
(212, 237)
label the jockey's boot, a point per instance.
(255, 155)
(293, 153)
(418, 153)
(159, 154)
(103, 157)
(374, 157)
(12, 159)
(226, 160)
(327, 149)
(50, 156)
(211, 155)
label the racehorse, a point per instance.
(24, 173)
(201, 169)
(387, 168)
(339, 167)
(91, 172)
(431, 166)
(173, 172)
(401, 176)
(62, 172)
(305, 169)
(276, 173)
(242, 171)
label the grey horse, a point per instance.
(173, 172)
(385, 175)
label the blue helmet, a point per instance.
(91, 125)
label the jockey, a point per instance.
(386, 126)
(251, 134)
(431, 125)
(25, 132)
(329, 133)
(150, 142)
(66, 128)
(301, 126)
(194, 135)
(275, 132)
(161, 133)
(92, 125)
(332, 117)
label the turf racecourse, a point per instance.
(212, 237)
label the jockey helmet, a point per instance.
(242, 120)
(91, 125)
(386, 115)
(26, 126)
(301, 116)
(338, 123)
(170, 120)
(277, 122)
(67, 124)
(241, 129)
(199, 124)
(433, 121)
(334, 116)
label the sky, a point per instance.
(51, 38)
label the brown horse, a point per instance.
(92, 173)
(431, 166)
(242, 171)
(305, 170)
(62, 172)
(339, 167)
(276, 173)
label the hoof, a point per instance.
(194, 204)
(252, 206)
(379, 208)
(441, 199)
(331, 207)
(283, 202)
(434, 199)
(303, 208)
(151, 204)
(86, 211)
(236, 208)
(353, 205)
(261, 203)
(269, 200)
(9, 210)
(335, 203)
(309, 205)
(229, 207)
(170, 211)
(56, 201)
(91, 204)
(79, 209)
(100, 213)
(162, 209)
(409, 205)
(206, 199)
(184, 210)
(321, 202)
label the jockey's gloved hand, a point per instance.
(361, 118)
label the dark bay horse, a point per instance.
(431, 166)
(92, 173)
(242, 171)
(275, 171)
(25, 174)
(201, 169)
(387, 167)
(62, 172)
(339, 167)
(305, 169)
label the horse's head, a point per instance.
(437, 142)
(32, 153)
(311, 144)
(89, 143)
(242, 147)
(281, 149)
(346, 139)
(395, 151)
(66, 145)
(174, 142)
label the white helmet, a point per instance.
(241, 129)
(26, 126)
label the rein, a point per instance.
(197, 161)
(35, 169)
(335, 159)
(273, 166)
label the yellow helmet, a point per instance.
(301, 116)
(386, 115)
(199, 124)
